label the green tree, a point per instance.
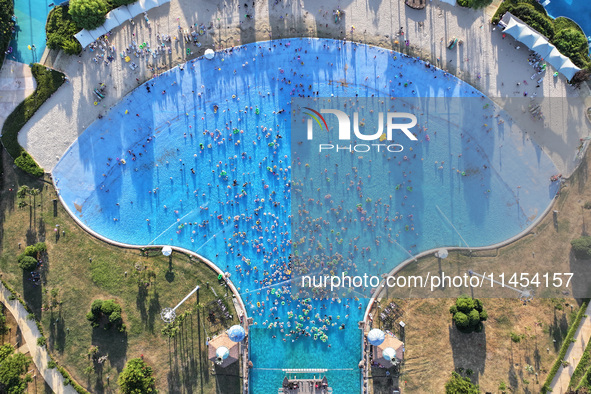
(570, 42)
(88, 14)
(5, 351)
(27, 263)
(582, 247)
(468, 314)
(118, 3)
(12, 368)
(136, 378)
(459, 385)
(3, 326)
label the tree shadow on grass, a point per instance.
(111, 343)
(558, 329)
(32, 293)
(469, 351)
(188, 370)
(140, 301)
(57, 331)
(153, 311)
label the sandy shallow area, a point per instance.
(491, 63)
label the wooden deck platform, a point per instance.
(416, 4)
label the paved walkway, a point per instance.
(573, 355)
(16, 83)
(30, 334)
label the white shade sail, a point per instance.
(536, 42)
(115, 18)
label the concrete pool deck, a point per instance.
(492, 64)
(16, 83)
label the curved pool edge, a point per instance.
(208, 262)
(497, 245)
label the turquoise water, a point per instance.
(31, 18)
(577, 10)
(187, 164)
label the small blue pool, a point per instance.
(201, 158)
(31, 17)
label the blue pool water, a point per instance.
(31, 18)
(577, 10)
(203, 161)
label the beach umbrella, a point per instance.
(209, 54)
(167, 250)
(389, 354)
(236, 333)
(390, 351)
(222, 353)
(376, 337)
(441, 253)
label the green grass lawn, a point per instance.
(71, 281)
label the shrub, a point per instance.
(108, 309)
(118, 3)
(582, 247)
(461, 320)
(27, 263)
(41, 341)
(537, 20)
(60, 30)
(516, 337)
(468, 314)
(570, 42)
(26, 163)
(48, 81)
(136, 377)
(458, 384)
(88, 14)
(96, 306)
(474, 3)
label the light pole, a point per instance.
(525, 295)
(169, 314)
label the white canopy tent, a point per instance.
(538, 43)
(84, 38)
(542, 47)
(528, 37)
(121, 14)
(555, 59)
(136, 8)
(568, 69)
(115, 18)
(513, 28)
(111, 22)
(99, 31)
(149, 4)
